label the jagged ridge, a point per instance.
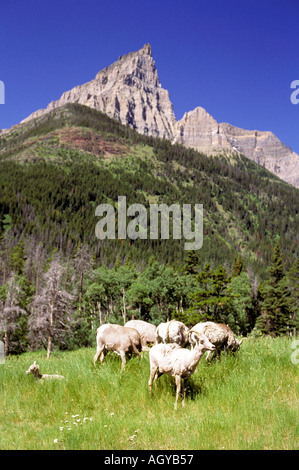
(129, 90)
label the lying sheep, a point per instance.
(173, 332)
(34, 370)
(119, 339)
(220, 335)
(178, 362)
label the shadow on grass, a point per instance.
(166, 385)
(195, 388)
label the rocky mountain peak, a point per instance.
(134, 69)
(129, 90)
(199, 130)
(147, 49)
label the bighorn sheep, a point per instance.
(220, 335)
(34, 370)
(119, 339)
(172, 332)
(146, 330)
(178, 362)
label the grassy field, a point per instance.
(249, 401)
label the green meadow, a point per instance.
(246, 401)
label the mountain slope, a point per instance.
(129, 91)
(57, 168)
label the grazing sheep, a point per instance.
(34, 370)
(220, 335)
(146, 330)
(119, 339)
(178, 362)
(173, 332)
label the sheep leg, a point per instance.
(98, 354)
(102, 356)
(153, 377)
(211, 355)
(123, 360)
(144, 344)
(184, 390)
(178, 390)
(135, 350)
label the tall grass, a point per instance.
(249, 401)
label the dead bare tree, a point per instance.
(10, 311)
(51, 310)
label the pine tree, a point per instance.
(18, 258)
(241, 303)
(82, 263)
(293, 277)
(191, 263)
(209, 302)
(238, 266)
(276, 317)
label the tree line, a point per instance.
(50, 300)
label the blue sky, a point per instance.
(235, 58)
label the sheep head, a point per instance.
(33, 369)
(201, 341)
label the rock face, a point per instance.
(199, 130)
(266, 150)
(129, 91)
